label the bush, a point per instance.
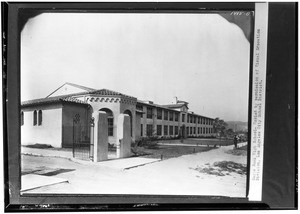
(146, 142)
(112, 147)
(39, 146)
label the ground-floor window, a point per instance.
(165, 130)
(40, 118)
(198, 130)
(34, 118)
(171, 130)
(158, 130)
(22, 118)
(176, 130)
(110, 121)
(149, 129)
(141, 130)
(194, 130)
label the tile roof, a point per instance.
(70, 97)
(107, 92)
(49, 100)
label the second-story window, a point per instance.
(149, 112)
(176, 116)
(166, 115)
(171, 116)
(159, 114)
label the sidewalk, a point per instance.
(112, 162)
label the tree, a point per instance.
(230, 133)
(219, 126)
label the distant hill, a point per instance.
(237, 125)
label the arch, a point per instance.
(130, 115)
(40, 117)
(110, 120)
(34, 117)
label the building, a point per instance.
(51, 120)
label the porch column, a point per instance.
(100, 136)
(123, 136)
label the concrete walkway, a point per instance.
(174, 176)
(32, 181)
(120, 164)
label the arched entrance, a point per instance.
(130, 115)
(112, 151)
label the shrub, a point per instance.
(146, 142)
(112, 147)
(39, 146)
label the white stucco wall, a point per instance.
(50, 132)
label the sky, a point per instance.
(199, 58)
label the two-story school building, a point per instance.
(51, 120)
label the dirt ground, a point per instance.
(182, 175)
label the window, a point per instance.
(149, 129)
(149, 112)
(176, 130)
(158, 130)
(141, 130)
(165, 130)
(191, 130)
(40, 117)
(176, 116)
(22, 118)
(198, 120)
(183, 117)
(171, 114)
(170, 130)
(166, 115)
(139, 107)
(198, 130)
(194, 130)
(110, 121)
(34, 118)
(159, 114)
